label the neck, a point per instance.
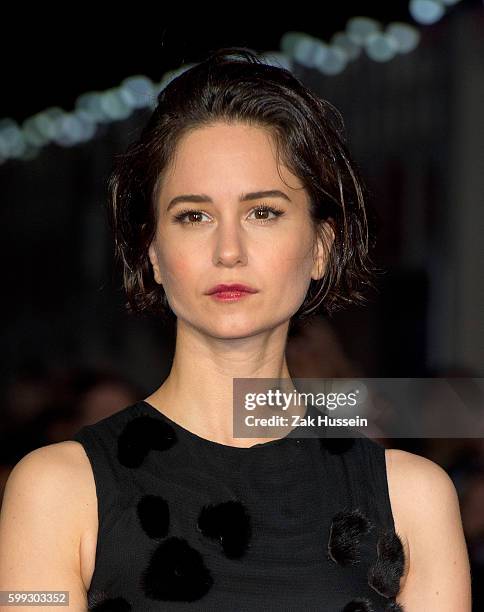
(198, 392)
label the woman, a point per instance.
(241, 176)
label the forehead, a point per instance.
(224, 157)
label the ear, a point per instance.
(324, 242)
(154, 262)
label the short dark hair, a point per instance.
(232, 84)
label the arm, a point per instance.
(426, 509)
(40, 528)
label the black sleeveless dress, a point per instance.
(294, 524)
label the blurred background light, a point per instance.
(426, 11)
(114, 106)
(334, 61)
(289, 42)
(406, 36)
(343, 41)
(12, 140)
(137, 91)
(310, 52)
(381, 47)
(90, 102)
(360, 28)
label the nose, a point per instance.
(230, 248)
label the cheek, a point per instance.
(292, 253)
(178, 267)
(287, 265)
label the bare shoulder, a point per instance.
(409, 472)
(52, 471)
(416, 482)
(61, 455)
(48, 506)
(426, 511)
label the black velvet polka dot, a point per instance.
(346, 531)
(141, 435)
(228, 522)
(153, 514)
(115, 604)
(358, 605)
(176, 572)
(384, 575)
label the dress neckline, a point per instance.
(225, 448)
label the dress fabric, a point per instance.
(185, 523)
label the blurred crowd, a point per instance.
(47, 405)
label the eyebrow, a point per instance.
(245, 197)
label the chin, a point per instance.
(233, 329)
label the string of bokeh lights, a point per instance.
(362, 34)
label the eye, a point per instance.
(267, 209)
(190, 214)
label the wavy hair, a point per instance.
(232, 84)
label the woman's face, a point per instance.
(224, 239)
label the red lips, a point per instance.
(235, 287)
